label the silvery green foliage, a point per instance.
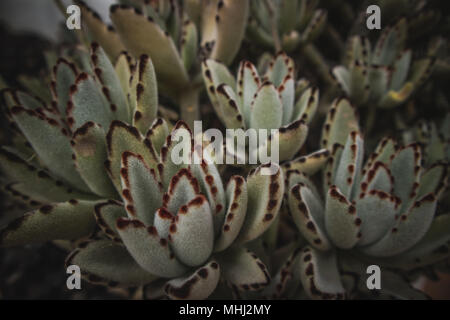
(100, 156)
(297, 22)
(386, 75)
(178, 225)
(267, 101)
(172, 33)
(381, 209)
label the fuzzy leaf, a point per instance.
(199, 285)
(37, 183)
(267, 110)
(340, 121)
(341, 221)
(106, 36)
(350, 166)
(291, 138)
(144, 94)
(189, 44)
(409, 229)
(248, 84)
(309, 164)
(143, 36)
(106, 214)
(61, 221)
(306, 106)
(51, 143)
(237, 199)
(88, 103)
(110, 82)
(243, 269)
(320, 276)
(64, 75)
(192, 232)
(158, 133)
(89, 146)
(122, 137)
(230, 23)
(149, 250)
(230, 109)
(308, 214)
(104, 261)
(433, 180)
(265, 194)
(182, 189)
(211, 185)
(178, 145)
(141, 190)
(376, 211)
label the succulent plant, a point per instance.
(173, 34)
(266, 102)
(381, 211)
(178, 225)
(284, 24)
(385, 76)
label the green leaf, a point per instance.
(341, 120)
(243, 270)
(341, 220)
(64, 76)
(211, 185)
(320, 276)
(60, 221)
(310, 163)
(230, 109)
(287, 95)
(189, 44)
(248, 82)
(182, 189)
(88, 103)
(377, 212)
(144, 94)
(308, 214)
(433, 180)
(51, 143)
(122, 137)
(144, 36)
(378, 177)
(106, 215)
(306, 106)
(230, 24)
(148, 249)
(158, 133)
(350, 166)
(110, 82)
(237, 198)
(178, 144)
(401, 68)
(267, 110)
(36, 183)
(279, 68)
(141, 190)
(106, 36)
(192, 232)
(89, 146)
(405, 168)
(197, 286)
(265, 194)
(109, 263)
(410, 227)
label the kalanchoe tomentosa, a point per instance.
(296, 22)
(265, 102)
(381, 212)
(385, 76)
(172, 34)
(179, 224)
